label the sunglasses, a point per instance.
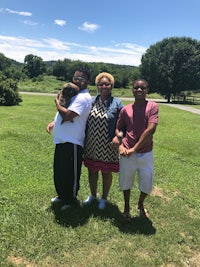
(140, 87)
(102, 84)
(81, 79)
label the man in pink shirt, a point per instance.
(134, 134)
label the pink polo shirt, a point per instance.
(134, 120)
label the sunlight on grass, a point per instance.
(32, 234)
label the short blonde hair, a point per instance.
(106, 75)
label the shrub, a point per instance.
(9, 95)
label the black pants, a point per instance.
(67, 171)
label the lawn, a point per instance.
(50, 84)
(35, 235)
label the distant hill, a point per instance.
(14, 63)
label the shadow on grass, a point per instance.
(74, 216)
(79, 215)
(135, 225)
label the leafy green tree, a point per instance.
(4, 62)
(123, 75)
(9, 69)
(172, 66)
(8, 91)
(34, 66)
(59, 70)
(14, 73)
(64, 70)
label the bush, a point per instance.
(9, 95)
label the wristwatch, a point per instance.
(119, 137)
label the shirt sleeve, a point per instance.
(77, 104)
(153, 114)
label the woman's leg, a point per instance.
(93, 178)
(107, 182)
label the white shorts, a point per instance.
(143, 164)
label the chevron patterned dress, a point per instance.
(99, 154)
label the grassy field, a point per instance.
(50, 85)
(35, 235)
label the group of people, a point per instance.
(108, 137)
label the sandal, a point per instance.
(143, 212)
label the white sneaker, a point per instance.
(89, 200)
(55, 200)
(65, 207)
(102, 204)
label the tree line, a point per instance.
(171, 66)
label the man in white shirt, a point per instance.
(69, 140)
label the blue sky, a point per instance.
(110, 31)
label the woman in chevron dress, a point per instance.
(100, 155)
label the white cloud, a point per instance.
(60, 22)
(18, 41)
(56, 44)
(88, 27)
(30, 23)
(20, 13)
(53, 49)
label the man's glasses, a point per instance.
(81, 79)
(102, 84)
(140, 87)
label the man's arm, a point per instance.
(144, 138)
(67, 115)
(50, 127)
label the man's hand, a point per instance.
(50, 127)
(125, 152)
(116, 141)
(122, 150)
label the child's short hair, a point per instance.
(68, 91)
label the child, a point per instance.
(68, 91)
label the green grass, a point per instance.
(49, 84)
(32, 234)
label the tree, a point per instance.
(34, 66)
(172, 66)
(59, 70)
(9, 69)
(4, 62)
(8, 91)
